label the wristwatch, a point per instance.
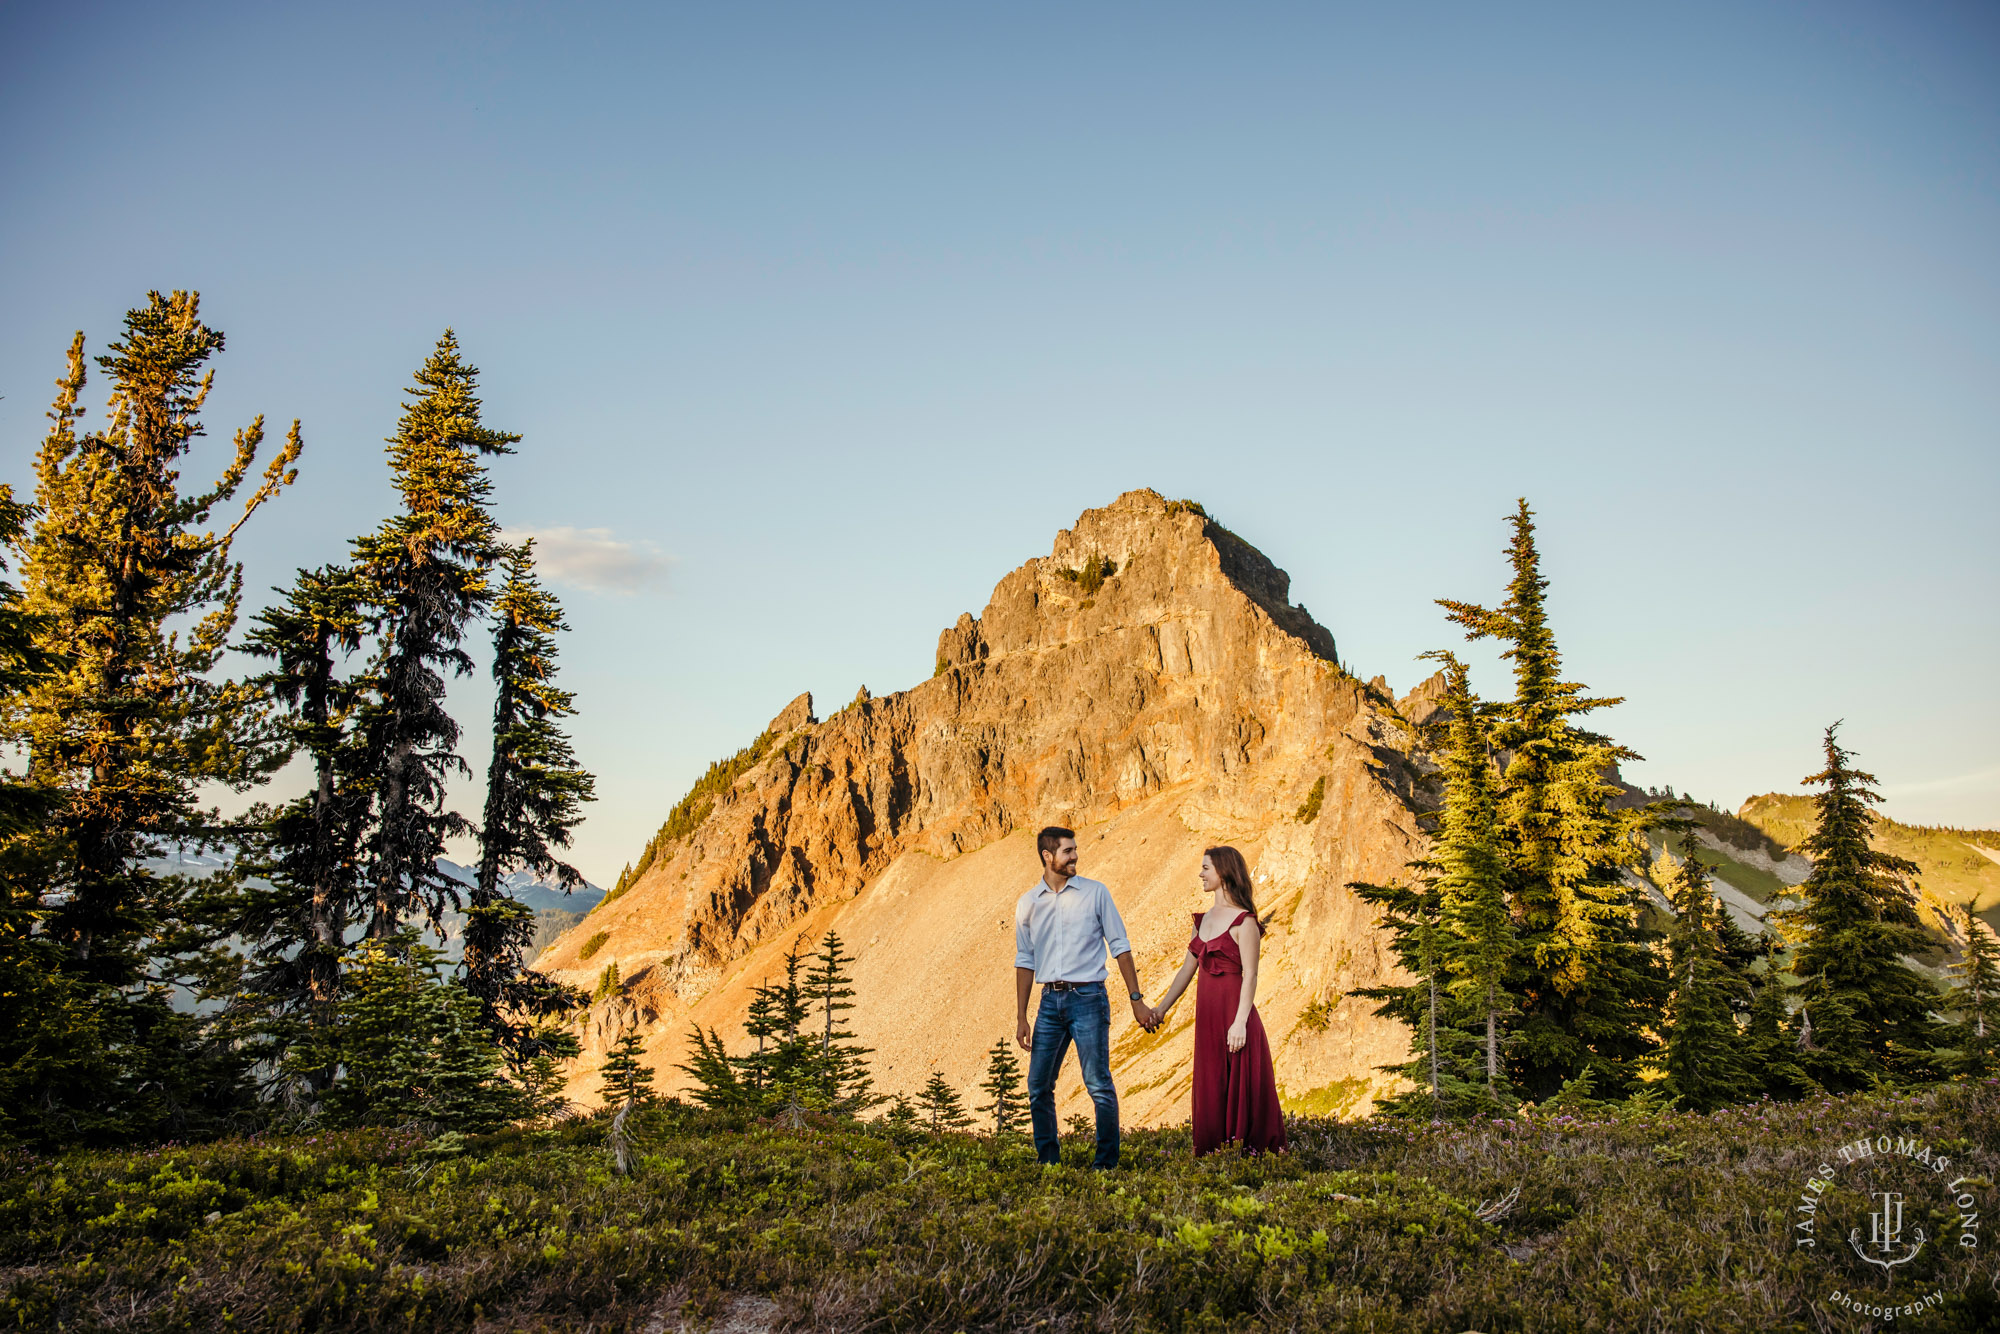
(1138, 995)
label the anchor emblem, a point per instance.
(1885, 1232)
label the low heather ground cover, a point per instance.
(1671, 1222)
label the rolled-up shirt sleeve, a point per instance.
(1111, 924)
(1024, 944)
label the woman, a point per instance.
(1235, 1093)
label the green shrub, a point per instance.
(1092, 576)
(1309, 810)
(1318, 1014)
(592, 946)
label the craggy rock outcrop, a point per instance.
(1182, 702)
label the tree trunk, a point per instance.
(1492, 1040)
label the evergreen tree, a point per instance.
(535, 791)
(765, 1024)
(132, 596)
(1870, 1011)
(939, 1102)
(427, 569)
(409, 1046)
(1704, 1058)
(627, 1077)
(1742, 955)
(1590, 984)
(542, 1078)
(841, 1059)
(464, 1089)
(901, 1115)
(1478, 946)
(1974, 1001)
(295, 925)
(1003, 1087)
(1771, 1046)
(717, 1085)
(24, 664)
(1444, 1067)
(53, 1054)
(786, 1063)
(542, 1084)
(380, 1041)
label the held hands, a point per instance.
(1239, 1033)
(1147, 1017)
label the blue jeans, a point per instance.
(1082, 1016)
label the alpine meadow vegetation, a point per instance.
(1551, 1220)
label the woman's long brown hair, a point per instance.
(1235, 873)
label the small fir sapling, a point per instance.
(1003, 1088)
(941, 1106)
(627, 1077)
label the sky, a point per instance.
(817, 320)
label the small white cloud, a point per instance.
(1977, 779)
(593, 559)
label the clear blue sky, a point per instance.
(827, 316)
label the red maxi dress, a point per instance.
(1235, 1092)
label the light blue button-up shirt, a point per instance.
(1065, 937)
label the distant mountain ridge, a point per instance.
(555, 911)
(1955, 866)
(1753, 864)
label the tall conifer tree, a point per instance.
(297, 927)
(427, 568)
(1478, 946)
(535, 792)
(1974, 1001)
(118, 557)
(133, 593)
(1590, 984)
(1705, 1052)
(1869, 1010)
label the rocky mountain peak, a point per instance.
(1153, 558)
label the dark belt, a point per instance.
(1069, 986)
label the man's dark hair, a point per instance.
(1051, 838)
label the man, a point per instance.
(1062, 929)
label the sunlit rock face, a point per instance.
(1178, 701)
